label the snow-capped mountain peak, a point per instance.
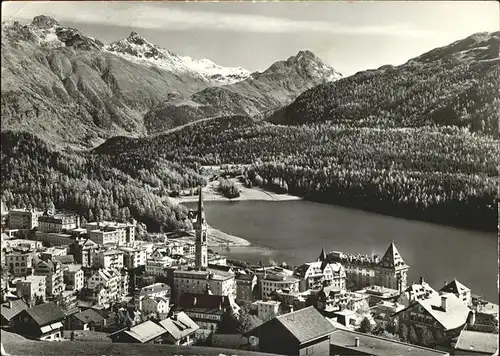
(138, 49)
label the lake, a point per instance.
(295, 232)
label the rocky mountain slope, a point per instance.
(458, 84)
(71, 88)
(258, 94)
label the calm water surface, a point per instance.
(295, 232)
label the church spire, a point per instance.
(322, 256)
(200, 216)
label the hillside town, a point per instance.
(63, 279)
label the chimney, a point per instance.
(10, 304)
(290, 308)
(444, 302)
(356, 341)
(421, 280)
(472, 320)
(375, 259)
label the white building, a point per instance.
(74, 277)
(274, 282)
(23, 219)
(58, 222)
(153, 305)
(196, 281)
(108, 259)
(20, 263)
(53, 272)
(31, 287)
(157, 267)
(461, 292)
(109, 279)
(109, 232)
(314, 275)
(22, 243)
(133, 257)
(267, 310)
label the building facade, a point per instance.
(32, 288)
(58, 223)
(23, 219)
(201, 230)
(53, 273)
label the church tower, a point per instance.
(201, 229)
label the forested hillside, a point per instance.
(34, 173)
(458, 84)
(444, 174)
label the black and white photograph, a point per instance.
(250, 178)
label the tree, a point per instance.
(247, 321)
(413, 337)
(404, 333)
(365, 326)
(427, 338)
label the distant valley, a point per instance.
(419, 140)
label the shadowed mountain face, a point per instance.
(257, 95)
(70, 88)
(456, 84)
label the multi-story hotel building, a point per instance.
(23, 218)
(58, 222)
(31, 287)
(53, 273)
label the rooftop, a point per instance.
(179, 325)
(455, 287)
(378, 346)
(155, 288)
(11, 308)
(304, 325)
(475, 341)
(88, 316)
(146, 331)
(45, 313)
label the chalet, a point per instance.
(462, 292)
(144, 333)
(10, 309)
(346, 342)
(42, 322)
(302, 332)
(180, 329)
(432, 321)
(205, 309)
(86, 320)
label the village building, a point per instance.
(347, 342)
(271, 282)
(23, 219)
(133, 257)
(382, 314)
(88, 319)
(390, 271)
(9, 309)
(377, 294)
(53, 273)
(432, 321)
(110, 280)
(108, 259)
(73, 277)
(267, 309)
(23, 244)
(32, 288)
(181, 329)
(314, 275)
(156, 290)
(155, 305)
(462, 292)
(54, 238)
(42, 322)
(330, 299)
(20, 262)
(144, 333)
(302, 332)
(206, 310)
(58, 223)
(415, 292)
(245, 287)
(108, 232)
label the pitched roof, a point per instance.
(12, 308)
(45, 313)
(304, 325)
(392, 258)
(179, 325)
(455, 287)
(454, 316)
(378, 346)
(154, 288)
(476, 341)
(65, 259)
(146, 331)
(207, 301)
(322, 255)
(88, 316)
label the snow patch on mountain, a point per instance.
(138, 49)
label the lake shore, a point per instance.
(211, 193)
(217, 238)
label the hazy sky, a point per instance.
(350, 36)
